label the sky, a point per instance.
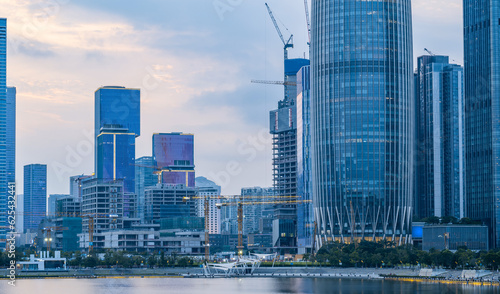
(193, 61)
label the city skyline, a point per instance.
(208, 88)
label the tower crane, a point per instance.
(89, 216)
(206, 212)
(242, 203)
(308, 21)
(287, 44)
(430, 52)
(274, 83)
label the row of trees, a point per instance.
(363, 254)
(371, 254)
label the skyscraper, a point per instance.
(361, 119)
(482, 113)
(305, 218)
(440, 138)
(117, 124)
(144, 177)
(35, 195)
(52, 203)
(3, 131)
(173, 154)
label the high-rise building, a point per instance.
(118, 106)
(11, 134)
(52, 203)
(117, 124)
(209, 191)
(283, 128)
(305, 218)
(362, 121)
(4, 194)
(103, 200)
(482, 115)
(116, 157)
(168, 201)
(254, 213)
(144, 177)
(35, 195)
(173, 154)
(440, 148)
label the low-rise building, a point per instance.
(44, 262)
(451, 237)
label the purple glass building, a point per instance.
(173, 155)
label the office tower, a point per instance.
(207, 188)
(117, 124)
(169, 201)
(35, 195)
(305, 218)
(173, 154)
(482, 115)
(4, 194)
(52, 203)
(11, 134)
(440, 138)
(144, 177)
(362, 119)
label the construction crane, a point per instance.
(274, 83)
(242, 203)
(430, 52)
(48, 231)
(89, 216)
(206, 212)
(156, 170)
(308, 21)
(287, 44)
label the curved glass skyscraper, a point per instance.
(361, 119)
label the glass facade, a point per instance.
(440, 138)
(362, 119)
(482, 113)
(117, 124)
(305, 219)
(3, 132)
(144, 177)
(35, 195)
(118, 106)
(116, 157)
(173, 154)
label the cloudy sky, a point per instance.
(193, 60)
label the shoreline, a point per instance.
(404, 275)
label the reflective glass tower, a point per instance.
(482, 113)
(173, 154)
(35, 195)
(3, 131)
(117, 124)
(305, 219)
(362, 120)
(440, 138)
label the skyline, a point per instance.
(213, 81)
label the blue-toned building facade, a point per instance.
(144, 177)
(362, 120)
(305, 218)
(440, 151)
(173, 155)
(117, 125)
(3, 131)
(35, 195)
(482, 113)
